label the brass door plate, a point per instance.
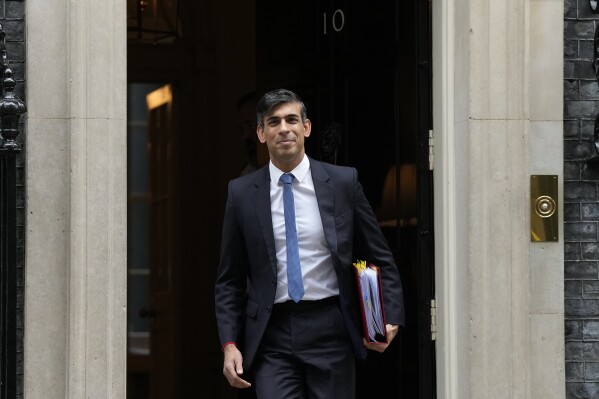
(543, 208)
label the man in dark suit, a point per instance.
(286, 298)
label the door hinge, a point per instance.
(431, 150)
(433, 320)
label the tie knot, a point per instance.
(286, 178)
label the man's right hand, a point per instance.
(233, 367)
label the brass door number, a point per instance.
(543, 208)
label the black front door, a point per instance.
(364, 72)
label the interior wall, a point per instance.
(211, 65)
(221, 43)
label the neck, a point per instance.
(290, 165)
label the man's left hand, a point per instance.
(380, 347)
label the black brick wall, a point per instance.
(12, 18)
(581, 203)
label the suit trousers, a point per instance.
(305, 353)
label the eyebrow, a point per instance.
(269, 118)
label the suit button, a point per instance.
(268, 308)
(274, 283)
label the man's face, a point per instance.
(284, 133)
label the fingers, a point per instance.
(375, 346)
(235, 381)
(380, 347)
(232, 368)
(391, 332)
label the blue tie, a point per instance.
(295, 285)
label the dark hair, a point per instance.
(275, 98)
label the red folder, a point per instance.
(368, 280)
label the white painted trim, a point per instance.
(444, 175)
(451, 292)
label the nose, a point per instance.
(284, 126)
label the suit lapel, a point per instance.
(325, 196)
(261, 200)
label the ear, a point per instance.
(260, 133)
(307, 127)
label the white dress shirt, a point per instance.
(318, 273)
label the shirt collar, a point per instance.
(299, 172)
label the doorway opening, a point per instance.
(364, 74)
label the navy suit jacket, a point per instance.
(248, 255)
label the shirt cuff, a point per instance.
(228, 343)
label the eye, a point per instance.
(273, 122)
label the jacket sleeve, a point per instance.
(371, 245)
(231, 279)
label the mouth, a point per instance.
(286, 141)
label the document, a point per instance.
(371, 301)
